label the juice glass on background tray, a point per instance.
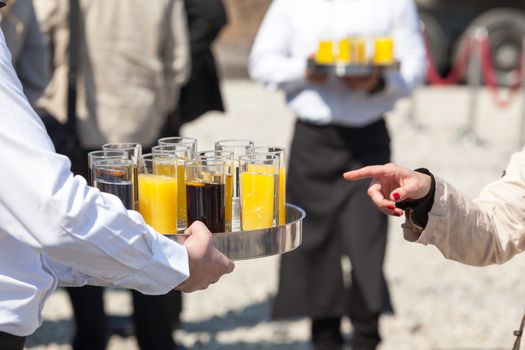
(158, 192)
(383, 51)
(358, 53)
(205, 193)
(115, 176)
(325, 52)
(259, 180)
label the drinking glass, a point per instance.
(325, 52)
(205, 194)
(183, 154)
(179, 140)
(344, 52)
(134, 152)
(384, 51)
(259, 191)
(227, 158)
(115, 176)
(239, 148)
(158, 189)
(100, 155)
(281, 153)
(358, 49)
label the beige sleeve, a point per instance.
(487, 230)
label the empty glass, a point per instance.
(239, 148)
(179, 140)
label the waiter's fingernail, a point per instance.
(396, 196)
(397, 214)
(391, 207)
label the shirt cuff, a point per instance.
(416, 212)
(169, 266)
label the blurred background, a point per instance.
(463, 124)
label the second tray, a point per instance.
(352, 70)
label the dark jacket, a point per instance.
(202, 93)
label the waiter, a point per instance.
(56, 230)
(340, 126)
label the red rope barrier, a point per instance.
(487, 66)
(458, 69)
(491, 80)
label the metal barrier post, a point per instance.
(522, 124)
(478, 34)
(411, 117)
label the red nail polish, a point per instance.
(391, 207)
(396, 196)
(397, 214)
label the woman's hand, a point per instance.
(392, 183)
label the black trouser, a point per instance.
(11, 342)
(341, 222)
(326, 332)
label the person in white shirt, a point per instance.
(56, 230)
(340, 126)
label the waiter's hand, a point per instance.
(392, 183)
(313, 76)
(207, 264)
(364, 84)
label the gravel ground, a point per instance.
(439, 304)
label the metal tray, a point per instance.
(244, 245)
(352, 70)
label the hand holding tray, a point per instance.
(244, 245)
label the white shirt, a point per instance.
(56, 229)
(290, 33)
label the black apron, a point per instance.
(340, 220)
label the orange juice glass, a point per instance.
(281, 153)
(158, 190)
(259, 191)
(183, 153)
